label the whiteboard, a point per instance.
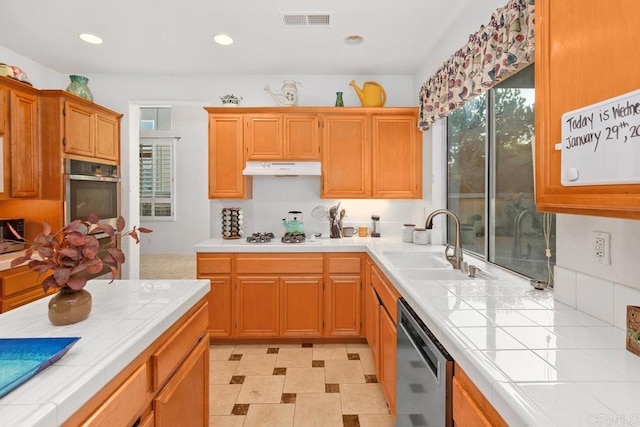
(601, 143)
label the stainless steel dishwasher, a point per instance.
(425, 372)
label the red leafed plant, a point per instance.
(74, 249)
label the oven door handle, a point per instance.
(435, 368)
(93, 178)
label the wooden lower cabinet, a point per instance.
(343, 306)
(20, 286)
(470, 407)
(301, 306)
(382, 301)
(388, 363)
(166, 385)
(220, 307)
(288, 295)
(257, 307)
(185, 398)
(217, 268)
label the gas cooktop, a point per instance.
(260, 238)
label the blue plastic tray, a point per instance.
(22, 358)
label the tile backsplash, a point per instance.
(597, 297)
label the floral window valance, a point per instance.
(496, 51)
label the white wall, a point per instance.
(39, 75)
(192, 203)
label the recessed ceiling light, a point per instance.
(90, 38)
(353, 39)
(223, 39)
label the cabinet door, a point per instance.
(185, 399)
(388, 351)
(396, 157)
(219, 300)
(226, 158)
(25, 145)
(257, 306)
(263, 136)
(373, 325)
(465, 410)
(3, 111)
(301, 305)
(301, 137)
(342, 298)
(577, 44)
(107, 137)
(79, 130)
(346, 156)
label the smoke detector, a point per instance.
(305, 19)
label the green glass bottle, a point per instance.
(339, 101)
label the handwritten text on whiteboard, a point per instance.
(599, 140)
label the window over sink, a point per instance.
(490, 178)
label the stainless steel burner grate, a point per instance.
(260, 238)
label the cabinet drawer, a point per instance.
(123, 405)
(338, 265)
(19, 282)
(213, 264)
(167, 358)
(279, 264)
(22, 299)
(386, 292)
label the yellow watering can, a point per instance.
(372, 93)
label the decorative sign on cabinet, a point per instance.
(601, 142)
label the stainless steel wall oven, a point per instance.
(91, 188)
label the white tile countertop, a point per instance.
(538, 361)
(127, 316)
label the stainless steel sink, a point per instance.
(402, 260)
(434, 274)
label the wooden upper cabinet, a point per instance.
(3, 110)
(107, 137)
(263, 136)
(301, 137)
(21, 140)
(73, 127)
(365, 152)
(226, 158)
(287, 136)
(396, 157)
(79, 130)
(585, 53)
(346, 156)
(90, 132)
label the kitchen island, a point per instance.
(143, 343)
(535, 360)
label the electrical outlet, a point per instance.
(601, 247)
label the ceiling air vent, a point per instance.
(300, 19)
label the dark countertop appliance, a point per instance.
(6, 234)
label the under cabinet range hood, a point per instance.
(282, 168)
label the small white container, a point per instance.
(421, 236)
(407, 232)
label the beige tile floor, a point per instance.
(295, 385)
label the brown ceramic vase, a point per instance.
(69, 306)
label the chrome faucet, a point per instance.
(455, 258)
